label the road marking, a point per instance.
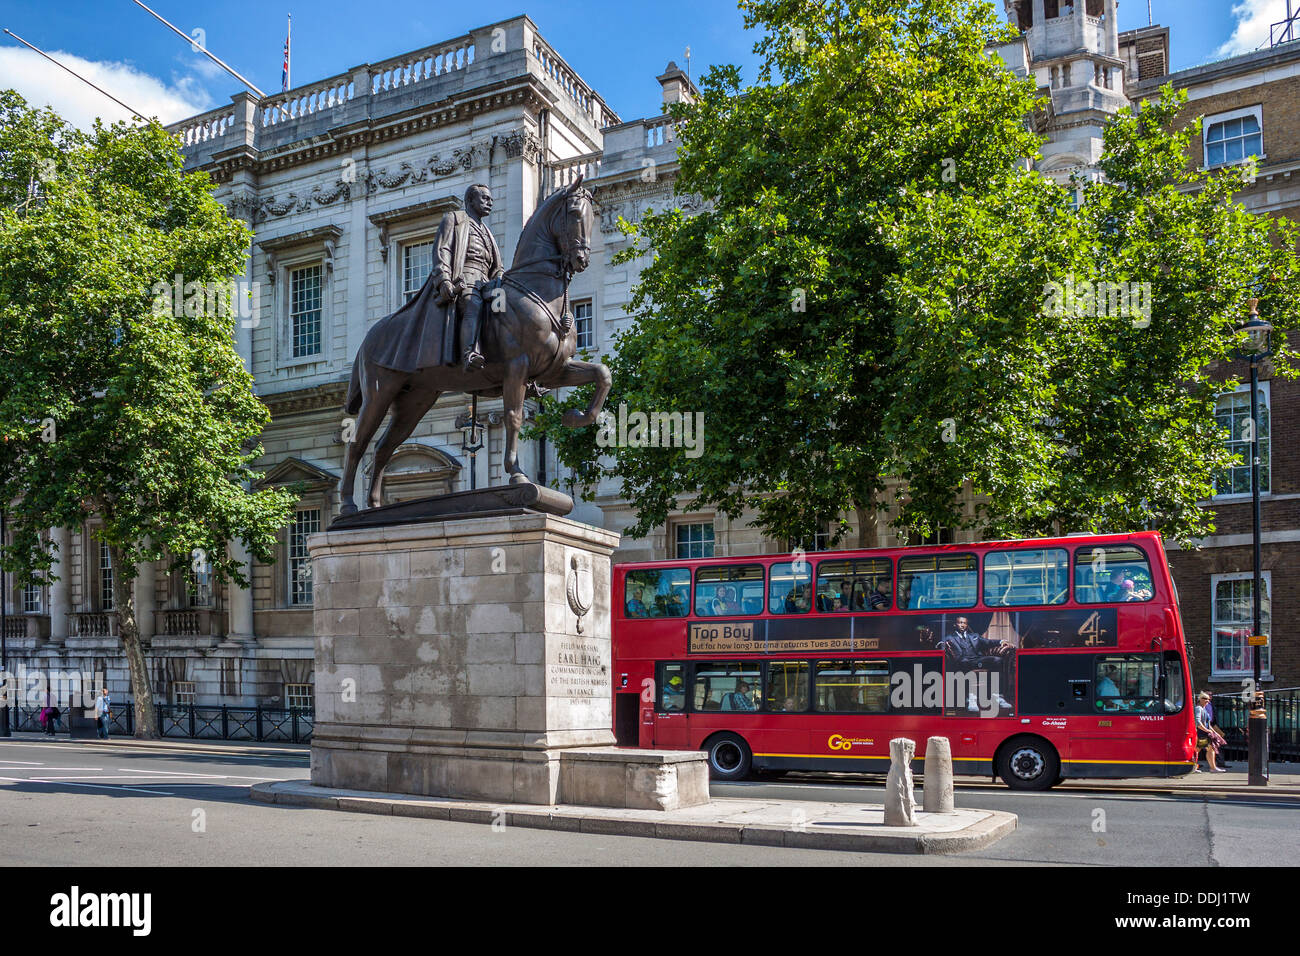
(123, 748)
(165, 773)
(43, 768)
(106, 776)
(101, 786)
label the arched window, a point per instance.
(419, 471)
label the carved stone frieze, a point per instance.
(405, 173)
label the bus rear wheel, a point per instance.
(1029, 763)
(729, 757)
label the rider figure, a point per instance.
(466, 260)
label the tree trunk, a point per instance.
(868, 529)
(128, 628)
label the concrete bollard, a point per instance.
(900, 803)
(938, 796)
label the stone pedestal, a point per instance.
(461, 657)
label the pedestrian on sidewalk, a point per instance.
(103, 711)
(1209, 712)
(50, 715)
(1207, 738)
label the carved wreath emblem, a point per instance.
(579, 588)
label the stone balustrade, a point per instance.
(563, 172)
(584, 96)
(305, 100)
(371, 92)
(93, 624)
(421, 64)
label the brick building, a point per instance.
(1247, 105)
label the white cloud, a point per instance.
(1254, 17)
(42, 83)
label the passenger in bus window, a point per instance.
(1107, 688)
(738, 699)
(676, 605)
(729, 602)
(636, 607)
(796, 602)
(878, 600)
(674, 694)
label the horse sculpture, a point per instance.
(531, 339)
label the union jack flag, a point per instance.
(284, 78)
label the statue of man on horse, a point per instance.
(408, 359)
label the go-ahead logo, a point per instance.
(836, 742)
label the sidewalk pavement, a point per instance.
(1283, 780)
(765, 822)
(239, 747)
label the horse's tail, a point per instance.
(353, 403)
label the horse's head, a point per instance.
(572, 225)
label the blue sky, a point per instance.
(617, 47)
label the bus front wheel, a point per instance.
(729, 757)
(1029, 763)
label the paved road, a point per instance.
(116, 804)
(1103, 829)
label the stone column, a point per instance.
(461, 657)
(60, 590)
(240, 600)
(1112, 29)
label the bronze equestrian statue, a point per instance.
(516, 332)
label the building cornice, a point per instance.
(299, 401)
(246, 203)
(527, 94)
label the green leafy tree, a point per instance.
(114, 403)
(870, 295)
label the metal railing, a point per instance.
(1283, 710)
(1284, 31)
(196, 722)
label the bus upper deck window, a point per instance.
(730, 590)
(1114, 574)
(789, 588)
(664, 592)
(865, 584)
(938, 580)
(1026, 577)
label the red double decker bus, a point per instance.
(1039, 660)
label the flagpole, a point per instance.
(204, 50)
(288, 36)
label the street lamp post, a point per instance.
(1259, 342)
(5, 729)
(471, 431)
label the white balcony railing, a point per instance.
(401, 71)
